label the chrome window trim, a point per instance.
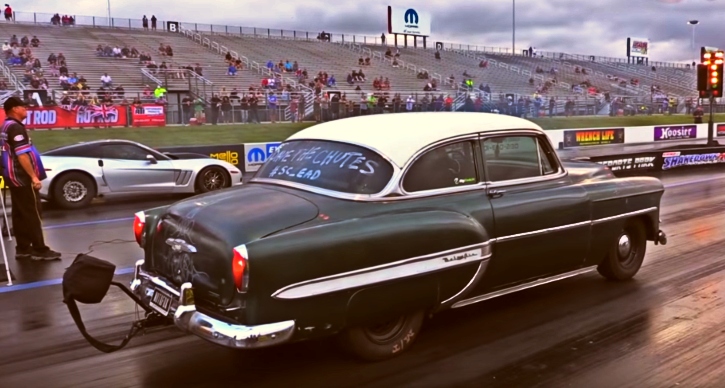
(561, 172)
(424, 151)
(393, 190)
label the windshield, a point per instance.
(328, 165)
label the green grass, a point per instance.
(250, 133)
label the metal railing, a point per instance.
(125, 23)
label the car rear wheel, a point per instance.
(383, 340)
(212, 178)
(626, 254)
(73, 190)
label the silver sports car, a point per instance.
(81, 172)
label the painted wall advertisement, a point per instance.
(675, 132)
(255, 154)
(592, 137)
(148, 115)
(230, 153)
(625, 163)
(691, 158)
(721, 130)
(57, 117)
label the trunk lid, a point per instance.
(194, 238)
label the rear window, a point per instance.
(328, 165)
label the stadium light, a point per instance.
(693, 23)
(513, 31)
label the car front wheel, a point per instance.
(626, 253)
(73, 191)
(212, 178)
(384, 340)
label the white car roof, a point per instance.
(399, 136)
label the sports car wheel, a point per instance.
(383, 340)
(212, 178)
(73, 191)
(626, 254)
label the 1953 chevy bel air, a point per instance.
(364, 226)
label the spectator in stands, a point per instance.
(226, 110)
(24, 42)
(388, 53)
(116, 53)
(386, 84)
(145, 22)
(331, 82)
(8, 12)
(106, 81)
(14, 40)
(152, 67)
(55, 20)
(35, 42)
(232, 70)
(395, 63)
(438, 55)
(134, 53)
(198, 70)
(162, 49)
(153, 22)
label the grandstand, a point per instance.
(504, 73)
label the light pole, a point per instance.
(513, 32)
(109, 13)
(693, 23)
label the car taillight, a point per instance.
(139, 222)
(240, 268)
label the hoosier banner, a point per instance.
(81, 117)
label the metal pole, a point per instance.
(109, 13)
(513, 35)
(710, 123)
(693, 36)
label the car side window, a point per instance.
(451, 165)
(516, 157)
(123, 151)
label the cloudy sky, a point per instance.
(574, 26)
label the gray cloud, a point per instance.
(574, 26)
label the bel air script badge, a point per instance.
(179, 245)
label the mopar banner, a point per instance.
(590, 137)
(675, 132)
(255, 154)
(148, 115)
(78, 117)
(693, 157)
(230, 153)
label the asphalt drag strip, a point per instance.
(662, 329)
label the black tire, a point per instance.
(73, 190)
(623, 264)
(382, 341)
(211, 179)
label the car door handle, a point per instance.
(100, 163)
(496, 193)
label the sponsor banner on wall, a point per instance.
(693, 158)
(255, 154)
(150, 115)
(632, 162)
(675, 132)
(721, 130)
(637, 47)
(231, 153)
(82, 117)
(591, 137)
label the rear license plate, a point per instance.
(161, 302)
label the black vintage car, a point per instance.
(364, 226)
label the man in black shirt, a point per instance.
(23, 172)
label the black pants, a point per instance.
(27, 224)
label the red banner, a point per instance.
(148, 116)
(81, 117)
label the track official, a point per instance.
(23, 172)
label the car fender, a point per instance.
(417, 257)
(58, 166)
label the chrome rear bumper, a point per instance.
(180, 307)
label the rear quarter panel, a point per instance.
(58, 165)
(356, 244)
(616, 196)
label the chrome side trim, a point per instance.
(522, 287)
(623, 215)
(396, 270)
(468, 287)
(421, 265)
(543, 231)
